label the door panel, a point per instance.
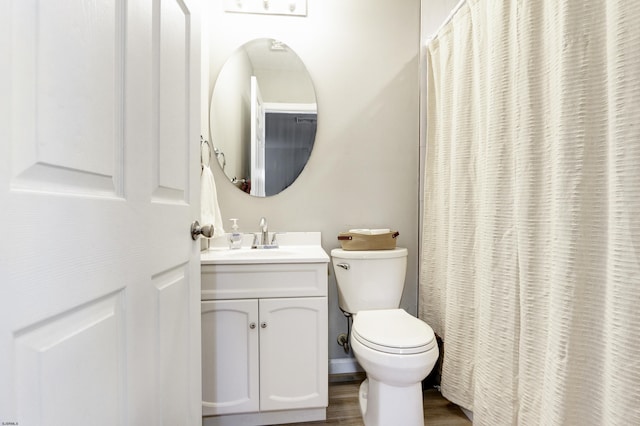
(172, 301)
(172, 25)
(84, 346)
(66, 129)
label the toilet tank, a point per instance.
(369, 280)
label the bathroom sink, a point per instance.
(303, 250)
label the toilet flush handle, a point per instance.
(344, 266)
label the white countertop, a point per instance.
(294, 247)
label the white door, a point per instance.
(99, 165)
(230, 357)
(258, 118)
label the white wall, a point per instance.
(363, 58)
(285, 87)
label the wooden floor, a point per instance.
(344, 407)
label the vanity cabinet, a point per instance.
(264, 347)
(264, 354)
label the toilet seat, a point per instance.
(392, 331)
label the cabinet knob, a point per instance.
(263, 324)
(252, 325)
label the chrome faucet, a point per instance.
(265, 231)
(261, 239)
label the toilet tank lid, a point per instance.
(369, 254)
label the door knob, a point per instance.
(197, 230)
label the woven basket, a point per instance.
(355, 241)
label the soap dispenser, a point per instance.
(235, 239)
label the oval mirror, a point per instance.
(263, 117)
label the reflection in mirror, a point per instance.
(263, 117)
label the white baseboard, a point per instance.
(344, 365)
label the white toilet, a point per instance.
(396, 349)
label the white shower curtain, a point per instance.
(531, 239)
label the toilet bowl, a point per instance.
(397, 351)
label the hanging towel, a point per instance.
(209, 207)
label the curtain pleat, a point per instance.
(530, 268)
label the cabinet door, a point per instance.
(229, 357)
(293, 353)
